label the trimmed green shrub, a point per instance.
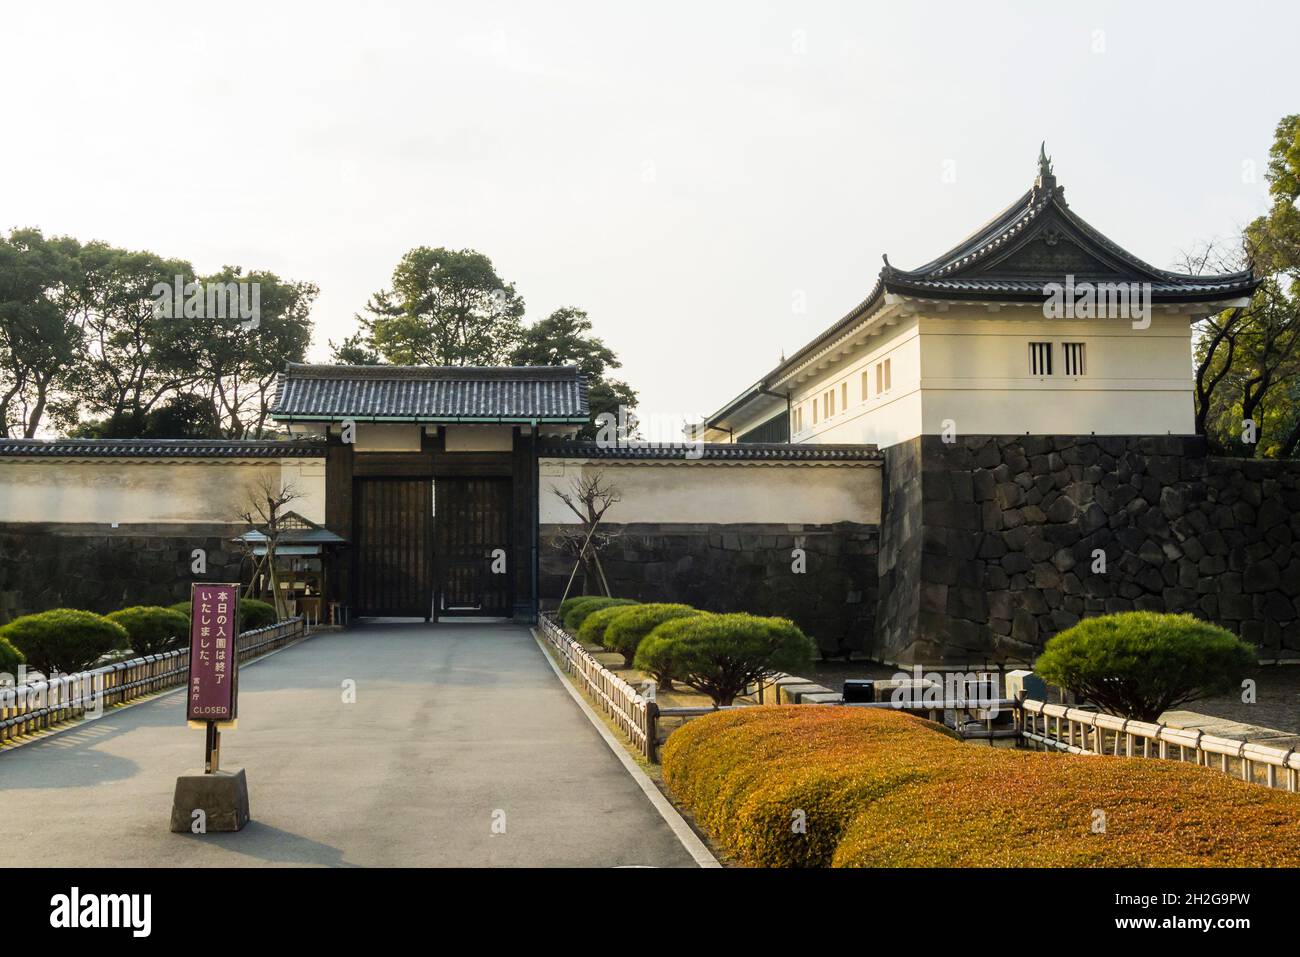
(567, 605)
(64, 639)
(579, 612)
(595, 622)
(720, 655)
(626, 632)
(255, 614)
(10, 657)
(657, 653)
(1140, 664)
(152, 629)
(252, 613)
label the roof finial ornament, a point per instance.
(1045, 184)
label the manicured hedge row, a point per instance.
(577, 612)
(67, 640)
(881, 788)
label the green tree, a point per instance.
(1248, 358)
(564, 338)
(238, 359)
(133, 358)
(40, 337)
(446, 307)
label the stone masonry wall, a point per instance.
(1009, 526)
(740, 567)
(45, 566)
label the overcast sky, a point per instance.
(686, 172)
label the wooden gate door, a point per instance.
(472, 536)
(393, 554)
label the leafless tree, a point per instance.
(589, 497)
(263, 511)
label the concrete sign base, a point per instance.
(206, 803)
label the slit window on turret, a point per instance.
(1074, 358)
(1040, 358)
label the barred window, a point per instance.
(1040, 358)
(1074, 361)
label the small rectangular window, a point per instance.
(814, 408)
(865, 394)
(844, 396)
(1073, 354)
(830, 403)
(880, 378)
(1040, 358)
(888, 384)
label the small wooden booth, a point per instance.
(303, 564)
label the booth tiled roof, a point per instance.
(162, 448)
(713, 452)
(431, 393)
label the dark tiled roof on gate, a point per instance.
(161, 448)
(431, 393)
(714, 452)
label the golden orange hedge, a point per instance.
(851, 787)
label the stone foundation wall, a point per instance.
(52, 566)
(1010, 528)
(741, 567)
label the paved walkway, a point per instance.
(452, 724)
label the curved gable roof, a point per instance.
(327, 393)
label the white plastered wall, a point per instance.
(975, 373)
(882, 417)
(130, 491)
(711, 493)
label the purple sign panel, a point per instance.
(214, 665)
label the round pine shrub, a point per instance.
(10, 658)
(151, 629)
(721, 655)
(626, 632)
(595, 622)
(567, 605)
(657, 653)
(255, 614)
(64, 639)
(1140, 664)
(579, 612)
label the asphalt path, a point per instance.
(461, 748)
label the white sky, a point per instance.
(680, 170)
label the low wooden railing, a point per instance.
(1062, 728)
(634, 714)
(37, 705)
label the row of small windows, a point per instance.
(1041, 355)
(825, 405)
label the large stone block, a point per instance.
(218, 800)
